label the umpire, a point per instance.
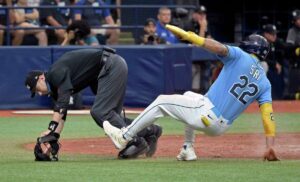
(106, 74)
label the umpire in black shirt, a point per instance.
(106, 74)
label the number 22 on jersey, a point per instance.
(247, 89)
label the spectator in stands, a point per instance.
(94, 17)
(293, 36)
(1, 35)
(180, 16)
(150, 37)
(276, 62)
(115, 13)
(28, 18)
(17, 34)
(34, 3)
(164, 17)
(199, 23)
(79, 33)
(293, 39)
(57, 17)
(207, 70)
(2, 21)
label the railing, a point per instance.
(8, 28)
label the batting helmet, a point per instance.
(256, 44)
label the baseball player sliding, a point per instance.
(241, 82)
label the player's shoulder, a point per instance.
(236, 52)
(233, 48)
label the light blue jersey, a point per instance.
(241, 81)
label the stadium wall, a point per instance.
(153, 70)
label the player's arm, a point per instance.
(208, 44)
(268, 120)
(270, 129)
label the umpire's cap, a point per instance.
(31, 80)
(256, 44)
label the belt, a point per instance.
(204, 119)
(106, 53)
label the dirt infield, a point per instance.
(226, 146)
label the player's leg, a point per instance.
(179, 107)
(187, 152)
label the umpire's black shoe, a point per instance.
(152, 140)
(136, 147)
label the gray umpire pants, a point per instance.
(109, 99)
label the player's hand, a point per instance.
(188, 36)
(270, 155)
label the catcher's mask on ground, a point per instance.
(47, 151)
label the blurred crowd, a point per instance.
(282, 64)
(100, 26)
(76, 26)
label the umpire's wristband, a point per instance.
(52, 126)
